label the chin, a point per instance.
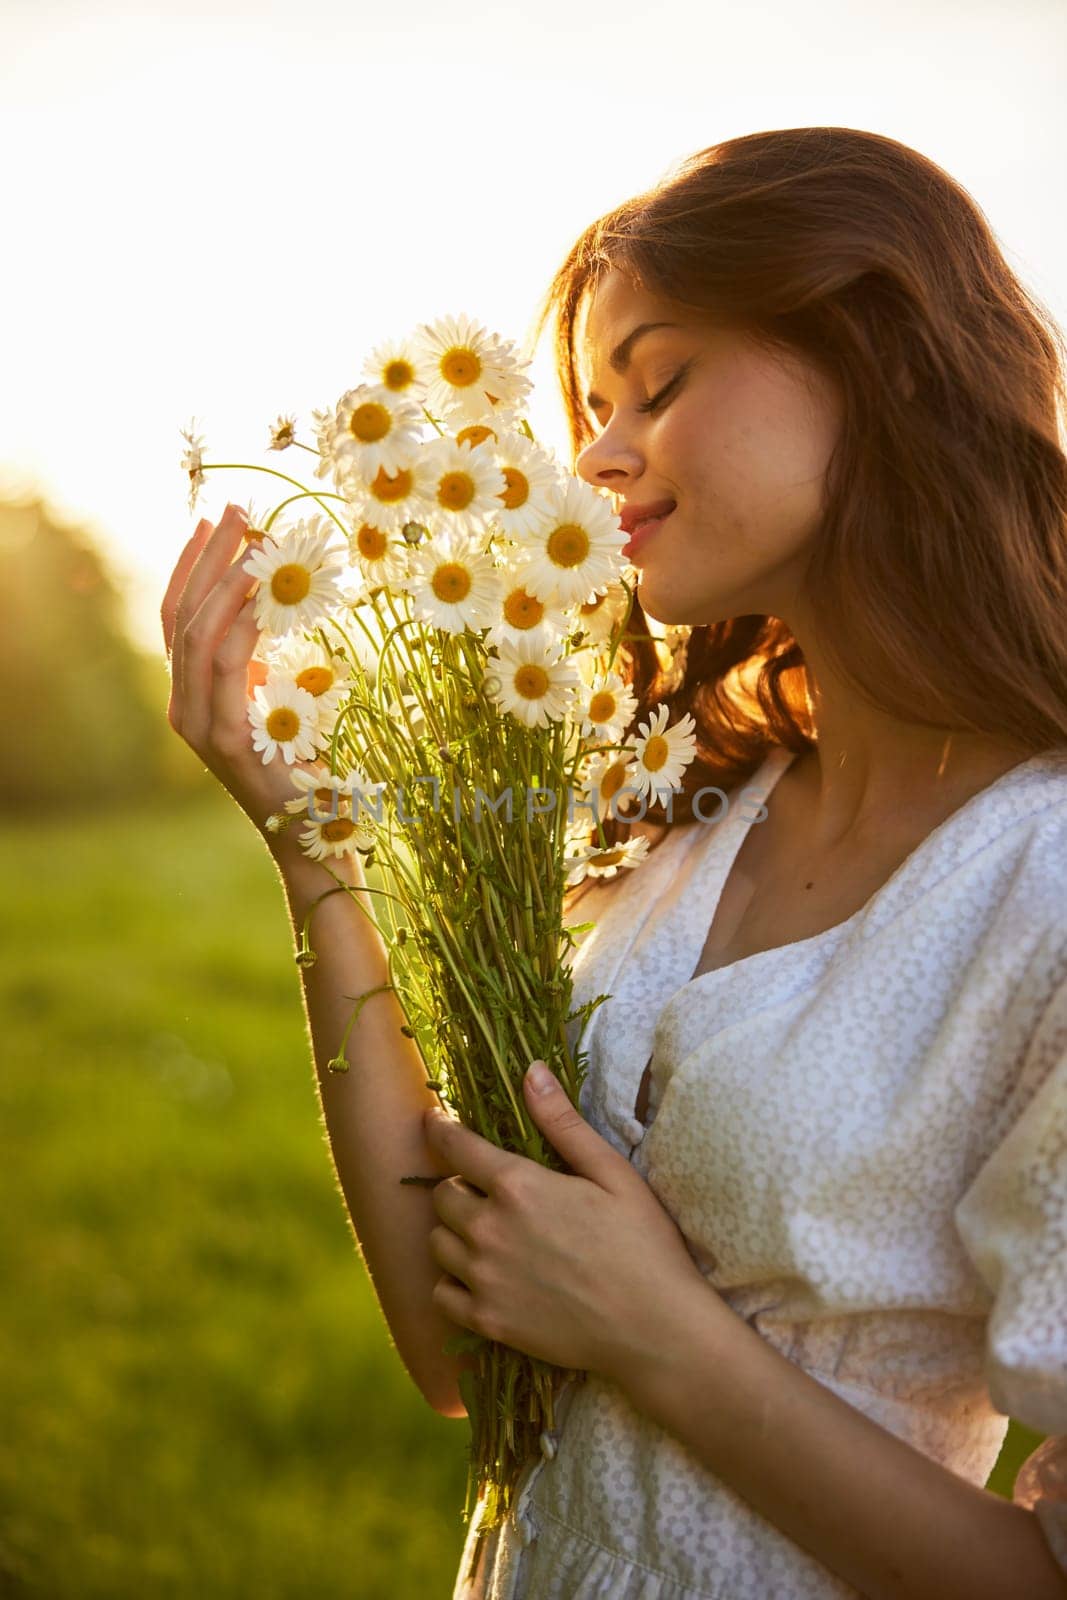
(677, 606)
(670, 610)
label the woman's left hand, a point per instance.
(581, 1270)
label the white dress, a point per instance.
(863, 1138)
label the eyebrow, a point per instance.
(619, 359)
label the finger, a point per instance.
(231, 669)
(216, 552)
(457, 1203)
(207, 568)
(179, 577)
(202, 638)
(451, 1254)
(471, 1156)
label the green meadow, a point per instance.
(199, 1392)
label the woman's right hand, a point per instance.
(210, 633)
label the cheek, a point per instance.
(759, 478)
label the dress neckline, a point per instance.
(712, 867)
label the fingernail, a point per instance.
(539, 1076)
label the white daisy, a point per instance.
(530, 473)
(453, 584)
(464, 486)
(394, 364)
(598, 615)
(328, 794)
(590, 663)
(337, 836)
(282, 433)
(520, 615)
(576, 546)
(674, 653)
(470, 373)
(605, 707)
(192, 461)
(325, 676)
(388, 500)
(530, 683)
(380, 555)
(256, 529)
(475, 434)
(298, 576)
(283, 718)
(511, 388)
(661, 757)
(606, 863)
(602, 779)
(323, 423)
(374, 429)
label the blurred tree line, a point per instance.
(83, 711)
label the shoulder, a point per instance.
(1033, 841)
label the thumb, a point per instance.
(587, 1154)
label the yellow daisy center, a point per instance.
(607, 858)
(337, 828)
(455, 491)
(283, 724)
(612, 780)
(369, 423)
(324, 800)
(531, 681)
(451, 582)
(391, 490)
(371, 542)
(517, 491)
(316, 680)
(523, 610)
(568, 545)
(656, 752)
(398, 374)
(460, 367)
(290, 583)
(475, 435)
(587, 607)
(601, 706)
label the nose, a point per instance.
(607, 464)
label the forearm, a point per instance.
(875, 1511)
(373, 1116)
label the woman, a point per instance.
(838, 1258)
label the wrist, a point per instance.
(691, 1342)
(307, 877)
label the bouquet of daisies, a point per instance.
(439, 640)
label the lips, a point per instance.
(633, 515)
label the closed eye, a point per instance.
(653, 405)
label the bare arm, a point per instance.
(373, 1115)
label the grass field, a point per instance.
(199, 1392)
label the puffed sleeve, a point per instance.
(1013, 1223)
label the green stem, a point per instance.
(250, 466)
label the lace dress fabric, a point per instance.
(863, 1138)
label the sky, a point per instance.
(217, 211)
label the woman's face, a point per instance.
(741, 441)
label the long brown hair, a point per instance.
(940, 565)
